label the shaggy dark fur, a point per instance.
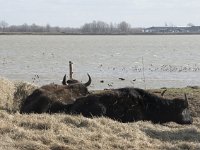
(132, 104)
(52, 98)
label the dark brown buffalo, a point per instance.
(51, 97)
(132, 104)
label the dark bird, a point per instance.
(102, 81)
(122, 79)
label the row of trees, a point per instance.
(102, 27)
(4, 27)
(95, 27)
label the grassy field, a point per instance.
(63, 132)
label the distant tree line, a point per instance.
(95, 27)
(100, 27)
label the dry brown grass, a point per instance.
(12, 94)
(63, 132)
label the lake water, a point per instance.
(143, 61)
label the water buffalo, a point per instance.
(132, 104)
(51, 97)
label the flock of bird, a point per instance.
(155, 68)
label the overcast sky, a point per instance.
(74, 13)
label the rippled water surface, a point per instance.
(143, 61)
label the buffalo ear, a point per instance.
(186, 100)
(64, 80)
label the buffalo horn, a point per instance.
(186, 99)
(163, 92)
(89, 81)
(64, 80)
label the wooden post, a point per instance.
(70, 70)
(143, 73)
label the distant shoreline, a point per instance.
(59, 33)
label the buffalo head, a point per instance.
(74, 81)
(183, 115)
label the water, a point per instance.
(154, 61)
